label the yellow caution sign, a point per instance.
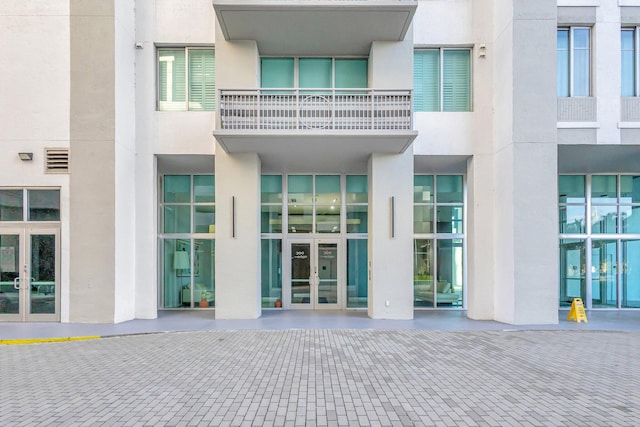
(577, 311)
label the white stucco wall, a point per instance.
(443, 22)
(184, 22)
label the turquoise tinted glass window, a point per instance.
(177, 219)
(204, 189)
(357, 219)
(456, 80)
(44, 205)
(202, 80)
(423, 189)
(426, 80)
(177, 272)
(604, 189)
(572, 270)
(628, 62)
(449, 188)
(328, 189)
(357, 268)
(203, 218)
(563, 62)
(357, 189)
(172, 79)
(271, 219)
(571, 188)
(630, 189)
(351, 73)
(271, 261)
(271, 188)
(314, 72)
(631, 273)
(177, 189)
(10, 205)
(277, 72)
(300, 188)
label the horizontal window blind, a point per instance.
(456, 82)
(426, 80)
(202, 86)
(172, 80)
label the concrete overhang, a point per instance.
(329, 151)
(315, 28)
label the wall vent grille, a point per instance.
(57, 160)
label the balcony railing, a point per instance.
(315, 109)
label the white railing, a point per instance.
(315, 109)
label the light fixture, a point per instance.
(482, 51)
(25, 156)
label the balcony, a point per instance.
(364, 120)
(315, 27)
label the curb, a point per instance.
(44, 340)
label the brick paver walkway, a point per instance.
(326, 377)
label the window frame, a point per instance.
(571, 54)
(441, 51)
(187, 78)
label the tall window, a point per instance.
(442, 80)
(188, 245)
(314, 73)
(186, 79)
(629, 59)
(439, 240)
(574, 61)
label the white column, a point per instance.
(391, 235)
(237, 292)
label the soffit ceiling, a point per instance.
(315, 28)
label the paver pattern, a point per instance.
(326, 377)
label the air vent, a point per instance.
(57, 160)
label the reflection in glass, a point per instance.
(423, 189)
(562, 61)
(449, 189)
(449, 273)
(300, 273)
(177, 219)
(630, 266)
(423, 291)
(203, 218)
(571, 188)
(422, 219)
(271, 219)
(604, 189)
(271, 189)
(357, 189)
(328, 219)
(628, 62)
(204, 189)
(10, 205)
(630, 189)
(449, 219)
(581, 62)
(9, 271)
(357, 218)
(604, 274)
(604, 219)
(43, 273)
(572, 271)
(177, 189)
(177, 273)
(572, 219)
(300, 189)
(300, 219)
(630, 219)
(271, 259)
(357, 265)
(204, 262)
(328, 189)
(44, 205)
(328, 273)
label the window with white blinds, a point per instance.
(442, 80)
(186, 74)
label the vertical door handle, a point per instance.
(16, 283)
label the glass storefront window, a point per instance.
(449, 219)
(357, 219)
(572, 271)
(423, 189)
(300, 189)
(203, 279)
(11, 205)
(357, 272)
(572, 219)
(300, 219)
(449, 273)
(422, 219)
(604, 274)
(571, 189)
(271, 219)
(204, 219)
(328, 219)
(177, 189)
(328, 189)
(449, 189)
(423, 269)
(630, 219)
(357, 189)
(271, 258)
(604, 219)
(44, 205)
(177, 272)
(271, 189)
(177, 219)
(630, 189)
(630, 265)
(604, 189)
(204, 189)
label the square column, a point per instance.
(391, 235)
(237, 292)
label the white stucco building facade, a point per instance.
(387, 156)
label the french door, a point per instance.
(315, 274)
(29, 274)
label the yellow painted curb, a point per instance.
(43, 340)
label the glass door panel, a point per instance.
(301, 274)
(10, 275)
(327, 273)
(42, 295)
(604, 283)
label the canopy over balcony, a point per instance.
(336, 27)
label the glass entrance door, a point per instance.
(29, 275)
(315, 274)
